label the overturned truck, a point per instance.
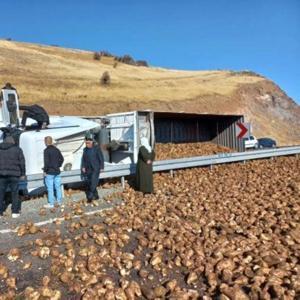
(117, 134)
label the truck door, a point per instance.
(9, 108)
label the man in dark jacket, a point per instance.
(91, 164)
(53, 160)
(12, 168)
(36, 113)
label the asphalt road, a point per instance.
(47, 221)
(32, 210)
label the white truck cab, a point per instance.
(251, 142)
(68, 133)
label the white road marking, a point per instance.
(2, 231)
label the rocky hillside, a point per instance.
(67, 81)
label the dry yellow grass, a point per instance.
(53, 73)
(67, 81)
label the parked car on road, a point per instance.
(266, 143)
(251, 142)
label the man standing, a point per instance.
(91, 164)
(53, 160)
(36, 113)
(12, 168)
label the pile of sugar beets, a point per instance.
(232, 232)
(171, 151)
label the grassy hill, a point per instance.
(67, 81)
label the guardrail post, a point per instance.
(123, 182)
(172, 173)
(210, 167)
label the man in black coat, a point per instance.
(12, 168)
(91, 164)
(36, 113)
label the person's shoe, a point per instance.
(14, 216)
(48, 205)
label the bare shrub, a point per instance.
(105, 53)
(246, 73)
(97, 55)
(105, 79)
(142, 63)
(127, 59)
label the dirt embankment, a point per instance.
(270, 111)
(67, 82)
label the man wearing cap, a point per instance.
(91, 164)
(12, 168)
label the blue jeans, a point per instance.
(53, 181)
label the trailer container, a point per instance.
(167, 127)
(190, 128)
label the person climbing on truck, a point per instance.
(35, 112)
(8, 86)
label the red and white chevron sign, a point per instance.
(242, 130)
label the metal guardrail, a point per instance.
(222, 158)
(37, 180)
